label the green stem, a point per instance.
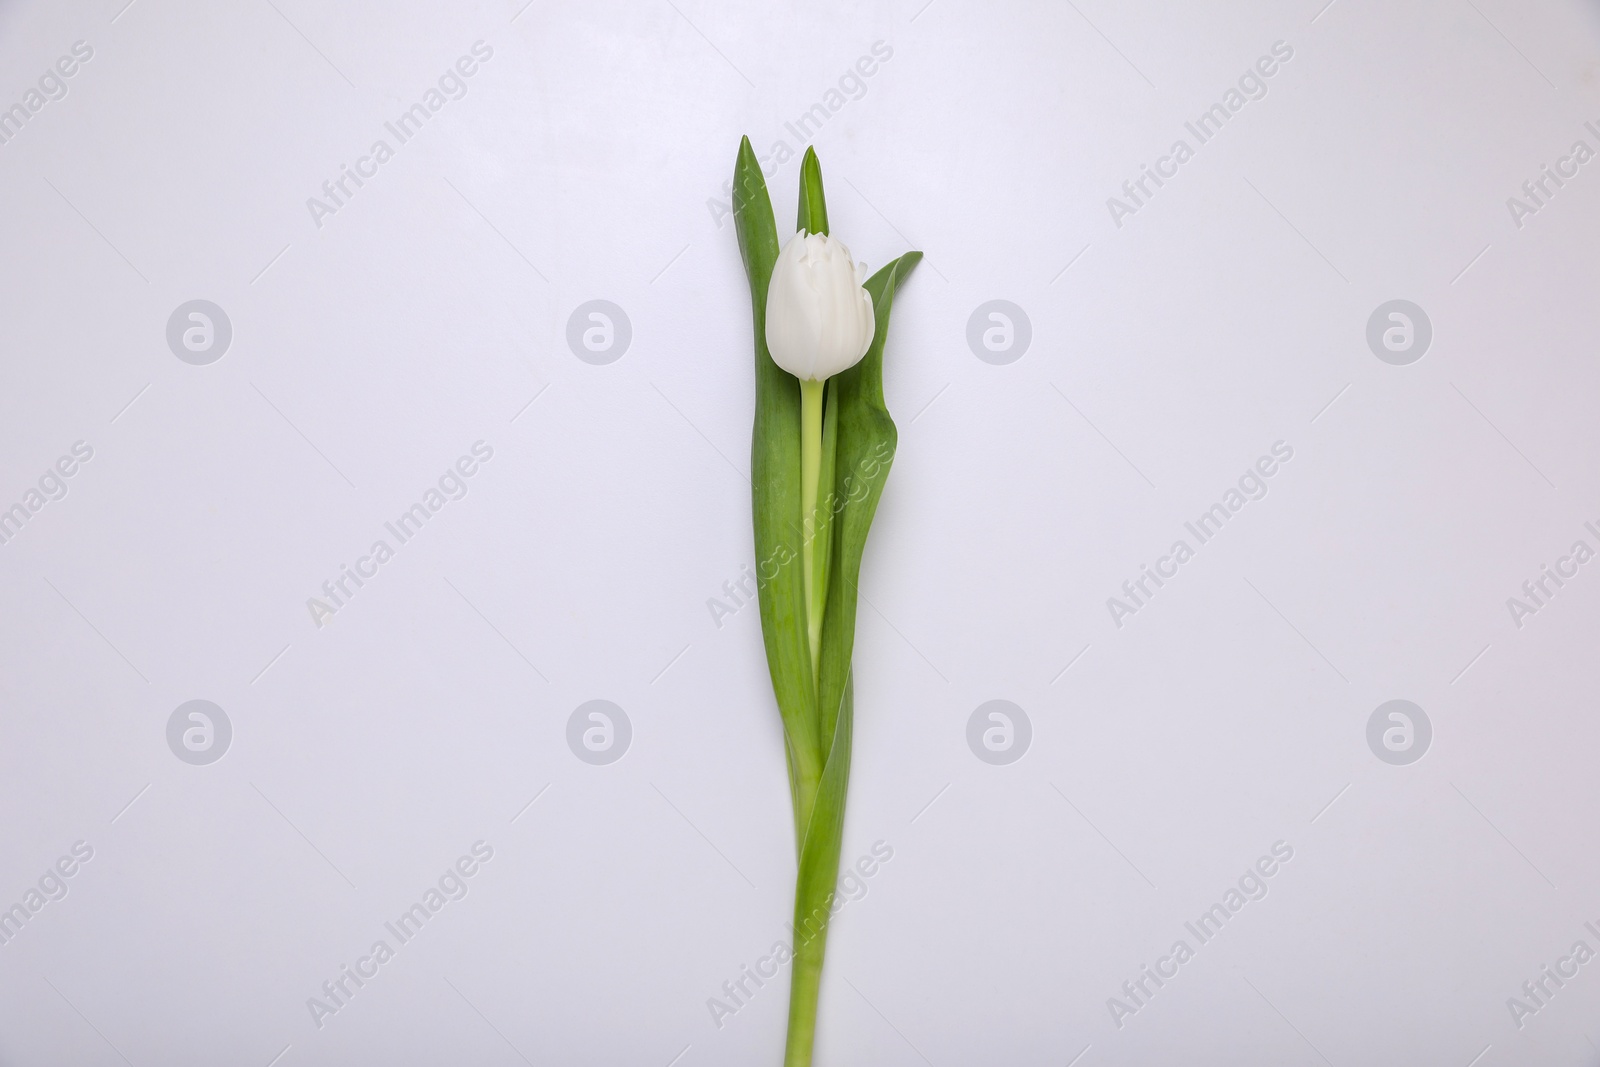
(816, 883)
(805, 986)
(811, 396)
(817, 845)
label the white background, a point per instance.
(584, 163)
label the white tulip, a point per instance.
(819, 317)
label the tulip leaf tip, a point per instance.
(813, 215)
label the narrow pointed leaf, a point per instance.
(775, 493)
(813, 206)
(867, 440)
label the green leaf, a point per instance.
(867, 440)
(814, 889)
(775, 498)
(813, 207)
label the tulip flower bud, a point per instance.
(819, 318)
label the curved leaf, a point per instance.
(775, 497)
